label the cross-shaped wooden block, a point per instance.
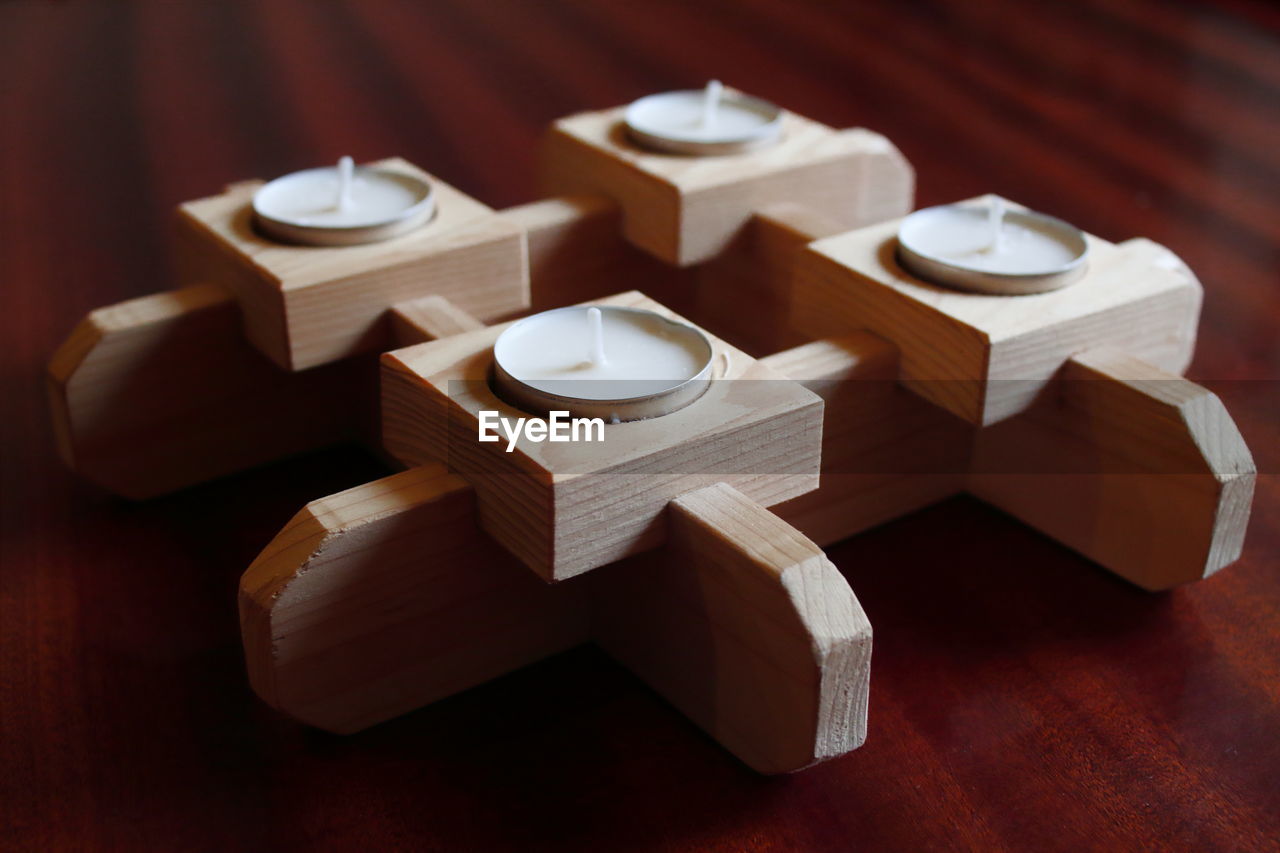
(377, 600)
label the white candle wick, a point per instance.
(596, 320)
(346, 169)
(711, 103)
(995, 219)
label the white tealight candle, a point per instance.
(621, 364)
(991, 249)
(342, 206)
(704, 121)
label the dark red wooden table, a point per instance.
(1022, 699)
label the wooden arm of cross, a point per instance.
(1140, 470)
(387, 597)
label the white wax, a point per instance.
(688, 120)
(312, 198)
(966, 236)
(643, 353)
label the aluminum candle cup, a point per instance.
(703, 121)
(342, 206)
(619, 364)
(988, 249)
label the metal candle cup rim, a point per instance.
(940, 270)
(298, 231)
(521, 394)
(677, 143)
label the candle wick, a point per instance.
(346, 169)
(596, 320)
(995, 217)
(711, 103)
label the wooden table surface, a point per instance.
(1022, 698)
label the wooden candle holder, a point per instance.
(987, 357)
(309, 305)
(686, 210)
(564, 510)
(706, 578)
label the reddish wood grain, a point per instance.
(1022, 699)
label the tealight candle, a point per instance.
(342, 206)
(706, 121)
(991, 249)
(620, 364)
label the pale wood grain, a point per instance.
(381, 599)
(162, 392)
(744, 625)
(568, 508)
(429, 318)
(375, 601)
(885, 451)
(757, 269)
(1136, 468)
(309, 305)
(686, 210)
(986, 357)
(577, 252)
(779, 231)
